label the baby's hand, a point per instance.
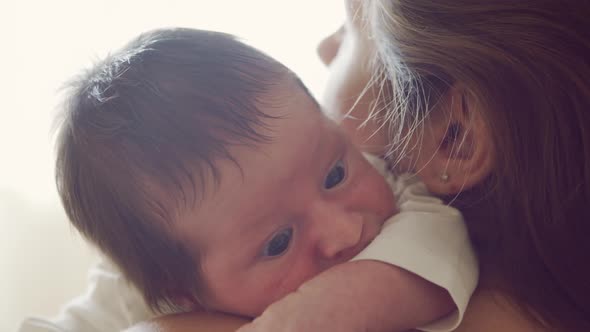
(356, 296)
(298, 312)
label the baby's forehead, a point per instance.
(289, 116)
(299, 138)
(266, 125)
(287, 119)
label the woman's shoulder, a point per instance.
(489, 311)
(190, 322)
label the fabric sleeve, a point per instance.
(109, 304)
(429, 239)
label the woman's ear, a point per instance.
(455, 151)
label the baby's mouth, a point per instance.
(368, 235)
(365, 240)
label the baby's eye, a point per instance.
(335, 176)
(279, 243)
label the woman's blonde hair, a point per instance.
(527, 64)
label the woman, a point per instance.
(508, 80)
(488, 102)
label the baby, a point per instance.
(206, 171)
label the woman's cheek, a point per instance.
(367, 135)
(351, 103)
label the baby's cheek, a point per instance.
(378, 195)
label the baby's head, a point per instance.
(207, 172)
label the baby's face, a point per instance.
(294, 207)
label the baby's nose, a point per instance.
(338, 234)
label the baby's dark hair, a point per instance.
(141, 125)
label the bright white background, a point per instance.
(43, 262)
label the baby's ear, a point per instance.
(456, 150)
(187, 302)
